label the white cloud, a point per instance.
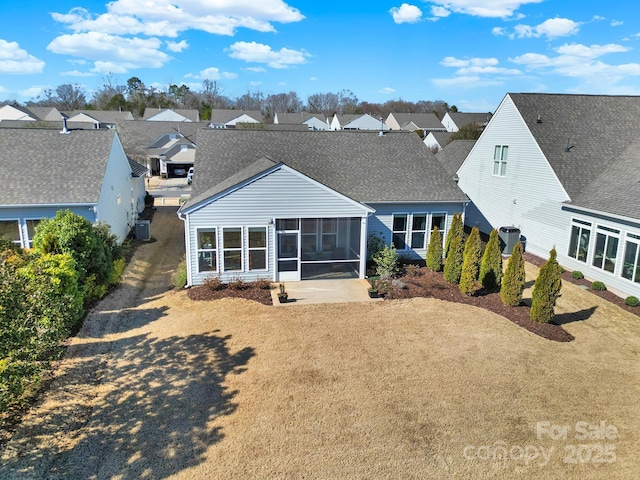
(465, 82)
(406, 13)
(484, 8)
(313, 79)
(469, 62)
(32, 92)
(16, 60)
(113, 53)
(260, 53)
(440, 12)
(255, 83)
(212, 73)
(387, 90)
(256, 69)
(551, 28)
(177, 47)
(77, 73)
(474, 72)
(167, 19)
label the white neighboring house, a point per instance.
(97, 118)
(171, 115)
(427, 122)
(315, 121)
(454, 121)
(564, 169)
(357, 122)
(85, 171)
(223, 118)
(15, 116)
(436, 141)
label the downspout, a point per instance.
(187, 244)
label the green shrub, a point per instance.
(434, 251)
(471, 263)
(118, 269)
(375, 243)
(514, 279)
(546, 290)
(577, 275)
(179, 278)
(597, 285)
(491, 266)
(631, 301)
(386, 261)
(455, 256)
(456, 228)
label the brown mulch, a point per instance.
(260, 295)
(604, 294)
(432, 284)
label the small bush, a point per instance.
(513, 281)
(386, 261)
(471, 264)
(375, 243)
(118, 268)
(577, 275)
(631, 301)
(412, 270)
(179, 279)
(546, 290)
(599, 286)
(214, 283)
(434, 251)
(491, 266)
(237, 283)
(261, 283)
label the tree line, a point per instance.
(135, 96)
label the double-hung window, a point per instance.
(579, 240)
(31, 230)
(631, 265)
(257, 248)
(418, 230)
(10, 230)
(606, 251)
(439, 220)
(500, 154)
(207, 249)
(400, 231)
(232, 249)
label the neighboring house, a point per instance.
(13, 116)
(314, 121)
(175, 154)
(426, 122)
(357, 122)
(454, 154)
(85, 171)
(171, 115)
(454, 121)
(223, 118)
(87, 119)
(436, 141)
(564, 169)
(288, 205)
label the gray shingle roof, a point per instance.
(461, 118)
(453, 154)
(421, 120)
(137, 135)
(365, 166)
(43, 167)
(601, 132)
(103, 116)
(298, 118)
(442, 137)
(222, 116)
(189, 114)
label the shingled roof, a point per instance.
(591, 142)
(365, 166)
(454, 154)
(45, 167)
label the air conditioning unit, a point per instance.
(143, 230)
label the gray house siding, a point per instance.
(279, 194)
(381, 223)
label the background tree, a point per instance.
(471, 131)
(434, 251)
(471, 263)
(491, 265)
(514, 278)
(546, 290)
(455, 256)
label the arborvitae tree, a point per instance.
(456, 226)
(434, 251)
(471, 264)
(455, 257)
(546, 290)
(491, 266)
(514, 278)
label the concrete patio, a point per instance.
(325, 291)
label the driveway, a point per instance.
(158, 386)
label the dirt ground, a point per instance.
(160, 386)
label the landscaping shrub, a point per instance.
(237, 283)
(375, 243)
(471, 263)
(457, 228)
(386, 261)
(546, 290)
(412, 270)
(491, 265)
(455, 256)
(597, 285)
(179, 278)
(631, 301)
(577, 275)
(214, 283)
(262, 283)
(513, 280)
(434, 251)
(118, 269)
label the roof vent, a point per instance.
(64, 130)
(568, 147)
(539, 119)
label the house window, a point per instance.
(418, 230)
(232, 249)
(257, 248)
(207, 250)
(606, 250)
(579, 241)
(31, 230)
(500, 160)
(10, 230)
(399, 238)
(631, 265)
(439, 220)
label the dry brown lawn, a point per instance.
(419, 388)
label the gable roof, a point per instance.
(442, 137)
(461, 118)
(138, 135)
(220, 116)
(297, 118)
(171, 115)
(101, 116)
(362, 165)
(453, 155)
(45, 113)
(44, 167)
(600, 131)
(428, 121)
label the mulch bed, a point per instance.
(432, 284)
(604, 294)
(247, 292)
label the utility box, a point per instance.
(509, 236)
(143, 230)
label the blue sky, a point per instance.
(465, 52)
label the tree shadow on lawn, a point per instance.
(157, 417)
(564, 318)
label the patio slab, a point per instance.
(325, 291)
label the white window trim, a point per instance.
(241, 249)
(406, 230)
(442, 230)
(427, 219)
(582, 224)
(635, 239)
(607, 230)
(265, 248)
(27, 240)
(20, 242)
(501, 161)
(213, 249)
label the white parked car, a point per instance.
(190, 176)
